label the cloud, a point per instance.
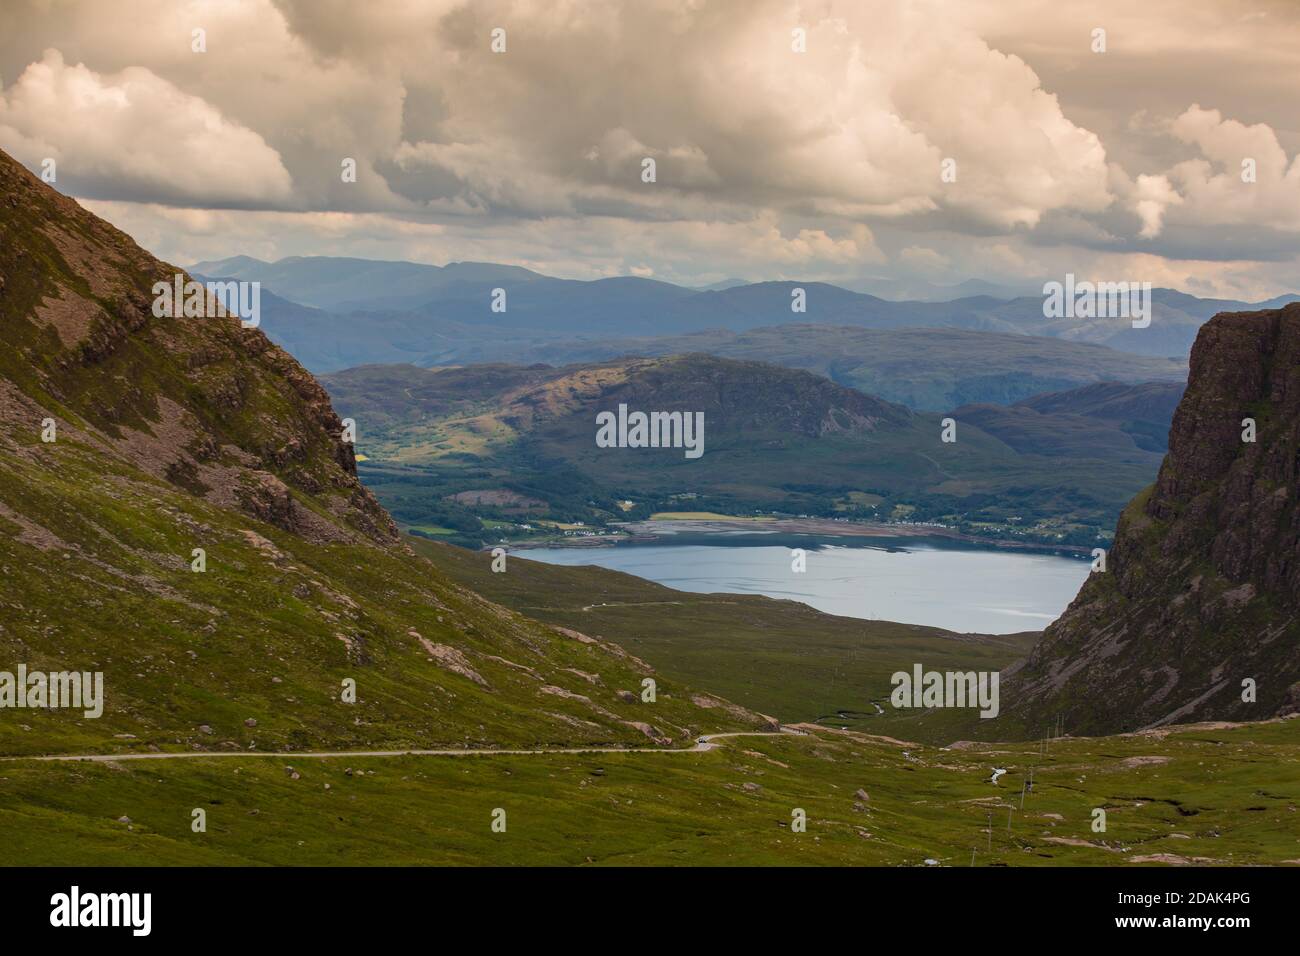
(769, 161)
(1151, 196)
(1245, 177)
(133, 135)
(924, 261)
(1242, 177)
(736, 119)
(593, 246)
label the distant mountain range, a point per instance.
(334, 313)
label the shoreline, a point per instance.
(664, 530)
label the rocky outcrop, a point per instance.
(450, 658)
(1197, 615)
(201, 402)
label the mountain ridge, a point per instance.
(429, 307)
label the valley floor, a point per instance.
(1201, 794)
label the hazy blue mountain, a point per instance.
(721, 285)
(919, 290)
(404, 311)
(345, 284)
(1109, 419)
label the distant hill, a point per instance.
(1104, 420)
(775, 439)
(919, 290)
(343, 284)
(924, 369)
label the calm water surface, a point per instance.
(913, 580)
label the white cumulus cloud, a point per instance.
(134, 135)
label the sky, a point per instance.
(1011, 141)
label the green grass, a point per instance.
(258, 635)
(778, 657)
(1216, 796)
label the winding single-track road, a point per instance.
(701, 745)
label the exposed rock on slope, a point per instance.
(1202, 590)
(196, 533)
(202, 403)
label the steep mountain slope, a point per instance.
(1202, 587)
(1124, 422)
(774, 439)
(176, 434)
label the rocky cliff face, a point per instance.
(1201, 595)
(203, 403)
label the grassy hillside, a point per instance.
(176, 434)
(779, 657)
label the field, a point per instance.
(1207, 795)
